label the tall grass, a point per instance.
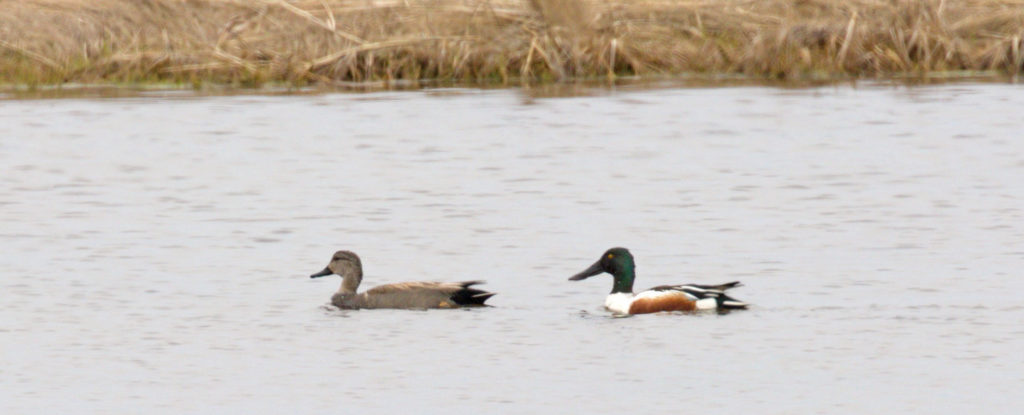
(249, 42)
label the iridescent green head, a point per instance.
(615, 261)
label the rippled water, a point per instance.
(157, 251)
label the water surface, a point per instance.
(157, 251)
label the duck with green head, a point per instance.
(689, 297)
(416, 295)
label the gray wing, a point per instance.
(418, 295)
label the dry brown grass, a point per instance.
(299, 42)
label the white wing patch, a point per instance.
(652, 294)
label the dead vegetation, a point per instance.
(249, 42)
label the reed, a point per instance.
(299, 42)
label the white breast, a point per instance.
(618, 302)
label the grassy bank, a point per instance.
(250, 42)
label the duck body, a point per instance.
(415, 295)
(690, 297)
(405, 295)
(687, 297)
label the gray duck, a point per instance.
(415, 295)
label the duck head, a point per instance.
(347, 265)
(615, 261)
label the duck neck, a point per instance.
(350, 282)
(623, 279)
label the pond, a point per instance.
(157, 250)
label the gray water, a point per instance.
(156, 251)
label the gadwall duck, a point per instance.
(622, 300)
(400, 295)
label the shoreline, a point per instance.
(558, 89)
(576, 88)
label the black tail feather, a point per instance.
(471, 296)
(727, 302)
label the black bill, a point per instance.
(589, 272)
(324, 273)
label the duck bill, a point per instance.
(324, 273)
(589, 272)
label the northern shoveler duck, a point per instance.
(400, 295)
(622, 300)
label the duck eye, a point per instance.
(610, 256)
